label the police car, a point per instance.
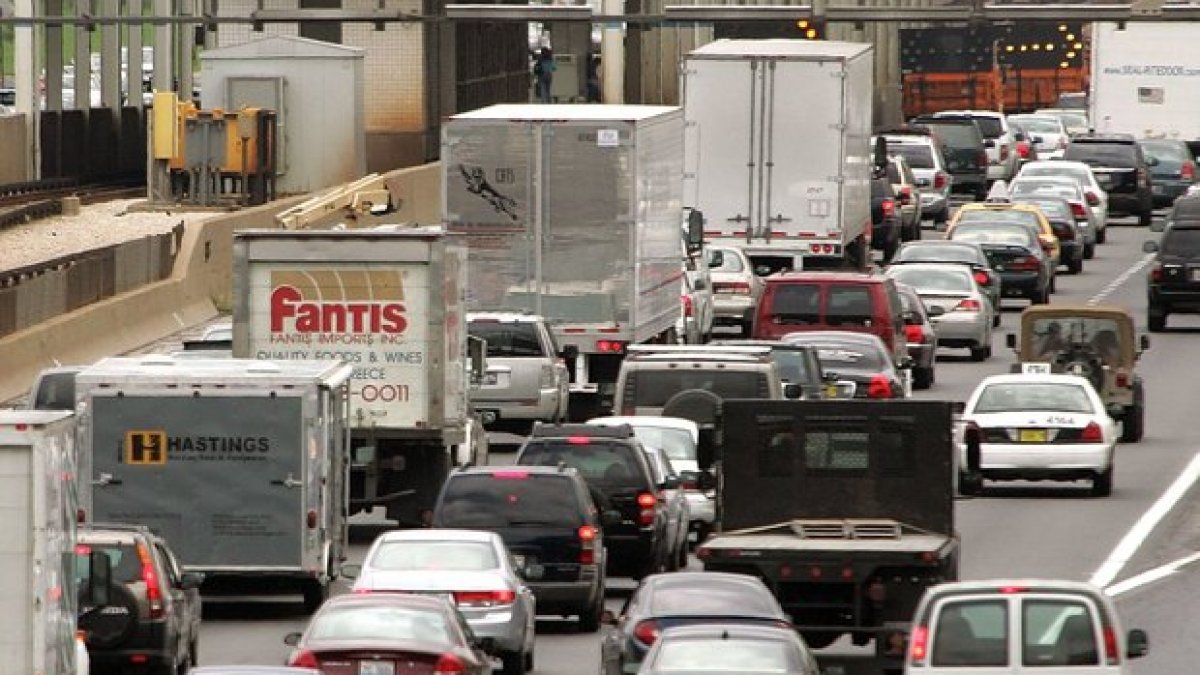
(1036, 425)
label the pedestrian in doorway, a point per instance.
(593, 80)
(543, 74)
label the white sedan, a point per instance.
(1038, 427)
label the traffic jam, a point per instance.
(876, 404)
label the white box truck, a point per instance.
(37, 543)
(240, 464)
(1146, 80)
(572, 212)
(778, 149)
(389, 302)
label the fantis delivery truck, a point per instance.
(388, 302)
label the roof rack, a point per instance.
(548, 430)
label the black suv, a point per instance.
(152, 619)
(614, 464)
(547, 518)
(963, 147)
(885, 217)
(1174, 281)
(1121, 169)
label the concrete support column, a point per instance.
(26, 71)
(187, 46)
(612, 54)
(83, 57)
(133, 89)
(54, 58)
(110, 57)
(163, 49)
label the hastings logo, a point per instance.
(337, 301)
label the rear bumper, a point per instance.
(1128, 202)
(1020, 284)
(545, 407)
(731, 308)
(966, 330)
(1166, 190)
(1042, 461)
(505, 628)
(566, 597)
(1176, 301)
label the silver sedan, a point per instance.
(960, 311)
(473, 568)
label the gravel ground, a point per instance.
(96, 226)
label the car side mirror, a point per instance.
(792, 390)
(936, 311)
(351, 570)
(695, 231)
(1144, 342)
(190, 580)
(291, 639)
(716, 259)
(569, 352)
(99, 580)
(1137, 644)
(1149, 247)
(1010, 340)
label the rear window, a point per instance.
(1058, 633)
(126, 567)
(998, 216)
(793, 366)
(686, 597)
(601, 463)
(1035, 187)
(725, 655)
(55, 391)
(419, 555)
(971, 633)
(938, 253)
(677, 443)
(1103, 154)
(955, 134)
(730, 261)
(917, 156)
(1166, 150)
(1033, 396)
(509, 499)
(987, 233)
(1040, 125)
(653, 388)
(509, 338)
(840, 358)
(849, 303)
(990, 127)
(1183, 242)
(379, 622)
(927, 280)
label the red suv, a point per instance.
(810, 301)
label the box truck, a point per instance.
(38, 503)
(778, 149)
(240, 464)
(572, 212)
(1146, 80)
(389, 302)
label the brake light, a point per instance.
(484, 598)
(1187, 171)
(1079, 211)
(739, 287)
(1156, 272)
(304, 659)
(361, 591)
(1013, 590)
(154, 593)
(587, 533)
(80, 515)
(579, 440)
(939, 180)
(914, 334)
(1092, 198)
(687, 305)
(610, 346)
(646, 632)
(968, 305)
(448, 664)
(1023, 149)
(1112, 655)
(510, 475)
(983, 278)
(905, 195)
(889, 208)
(880, 387)
(918, 645)
(1091, 433)
(646, 501)
(587, 540)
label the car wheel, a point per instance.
(996, 320)
(315, 593)
(589, 618)
(1076, 265)
(184, 666)
(1053, 287)
(1156, 319)
(981, 353)
(1102, 235)
(194, 651)
(1089, 250)
(513, 663)
(681, 556)
(922, 378)
(968, 485)
(529, 661)
(1133, 422)
(1102, 483)
(1145, 217)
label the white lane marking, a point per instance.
(1110, 568)
(1152, 575)
(1121, 279)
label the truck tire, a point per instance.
(819, 639)
(314, 593)
(1134, 420)
(116, 625)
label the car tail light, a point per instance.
(154, 594)
(981, 159)
(968, 305)
(1187, 171)
(304, 659)
(1046, 242)
(1141, 175)
(1092, 198)
(610, 346)
(983, 278)
(484, 598)
(362, 591)
(1065, 232)
(1112, 655)
(1156, 272)
(939, 180)
(906, 195)
(889, 208)
(918, 645)
(914, 334)
(1023, 149)
(880, 387)
(1079, 211)
(646, 501)
(738, 287)
(511, 475)
(1122, 378)
(1024, 263)
(1091, 433)
(83, 549)
(587, 544)
(579, 440)
(688, 310)
(1013, 590)
(449, 664)
(646, 632)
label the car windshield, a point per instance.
(917, 156)
(1181, 241)
(933, 280)
(507, 338)
(1073, 120)
(935, 252)
(379, 622)
(989, 216)
(1033, 396)
(508, 499)
(654, 387)
(600, 462)
(1052, 335)
(730, 261)
(723, 655)
(1166, 150)
(1102, 154)
(991, 233)
(412, 556)
(677, 443)
(1040, 125)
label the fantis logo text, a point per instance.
(338, 301)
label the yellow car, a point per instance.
(1008, 212)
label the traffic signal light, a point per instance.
(811, 29)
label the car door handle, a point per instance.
(289, 482)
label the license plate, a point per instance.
(1032, 435)
(831, 391)
(376, 668)
(520, 560)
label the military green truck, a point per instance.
(1096, 342)
(845, 509)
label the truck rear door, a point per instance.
(221, 478)
(18, 623)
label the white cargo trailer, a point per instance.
(778, 149)
(37, 538)
(572, 212)
(389, 302)
(240, 464)
(1146, 80)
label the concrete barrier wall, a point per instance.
(200, 287)
(13, 134)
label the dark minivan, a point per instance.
(1121, 169)
(963, 147)
(1173, 285)
(547, 519)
